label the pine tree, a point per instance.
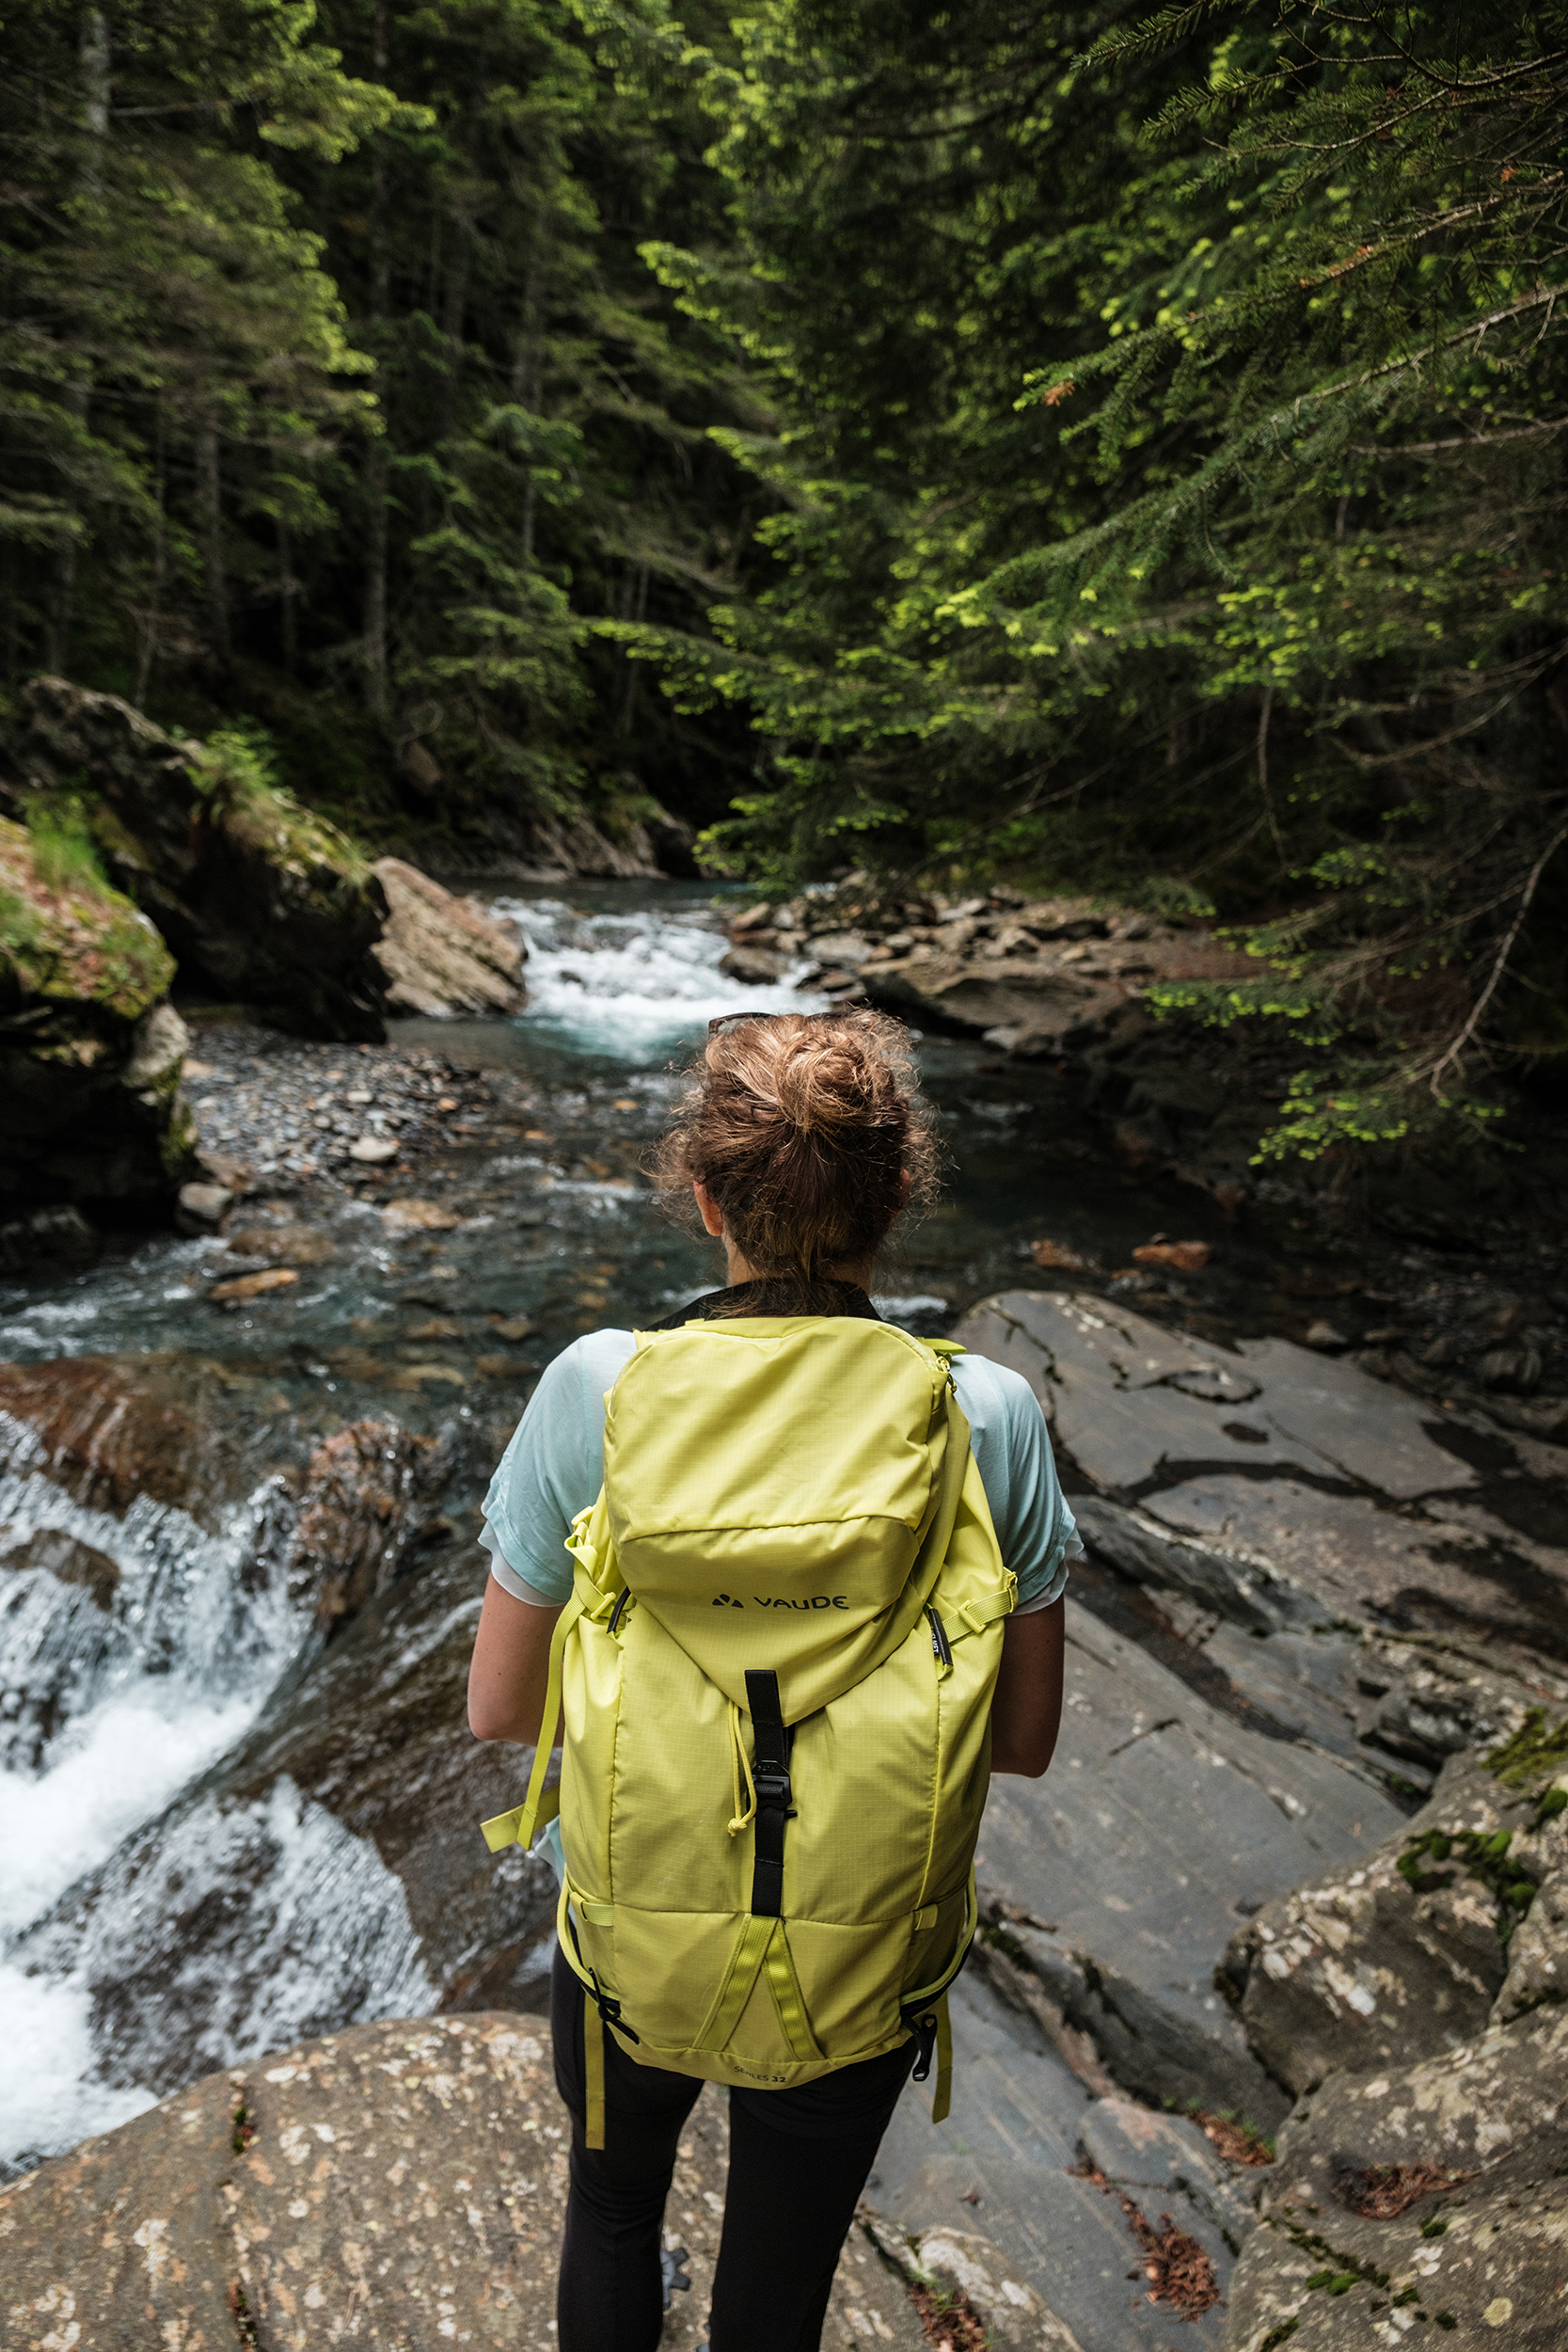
(1171, 482)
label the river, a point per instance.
(143, 1634)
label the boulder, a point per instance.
(1037, 996)
(1409, 1954)
(48, 1237)
(91, 1054)
(402, 2183)
(1420, 2201)
(754, 967)
(443, 954)
(260, 902)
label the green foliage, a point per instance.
(1172, 487)
(236, 774)
(334, 388)
(64, 856)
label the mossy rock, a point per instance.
(91, 1054)
(263, 902)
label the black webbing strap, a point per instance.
(771, 1779)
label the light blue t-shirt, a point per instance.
(554, 1468)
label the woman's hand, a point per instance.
(1027, 1712)
(510, 1672)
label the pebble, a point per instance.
(273, 1111)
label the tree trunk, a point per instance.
(527, 376)
(147, 652)
(209, 487)
(288, 591)
(378, 698)
(93, 52)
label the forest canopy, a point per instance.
(1111, 452)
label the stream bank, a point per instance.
(240, 1581)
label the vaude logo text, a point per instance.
(759, 1600)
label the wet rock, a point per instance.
(407, 2179)
(1407, 1955)
(259, 901)
(444, 955)
(368, 1494)
(67, 1559)
(281, 1245)
(754, 967)
(201, 1208)
(1249, 1591)
(1433, 2193)
(90, 1056)
(109, 1434)
(48, 1237)
(246, 1288)
(961, 2264)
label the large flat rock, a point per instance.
(1014, 2160)
(1128, 1397)
(1366, 1497)
(1161, 1826)
(401, 2184)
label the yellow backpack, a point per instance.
(776, 1670)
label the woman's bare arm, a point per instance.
(1027, 1712)
(509, 1671)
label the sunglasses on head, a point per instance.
(723, 1020)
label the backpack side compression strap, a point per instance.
(771, 1779)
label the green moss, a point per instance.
(1481, 1857)
(1538, 1749)
(73, 938)
(236, 774)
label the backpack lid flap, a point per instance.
(781, 1494)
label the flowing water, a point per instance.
(140, 1638)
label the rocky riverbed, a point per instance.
(1324, 1586)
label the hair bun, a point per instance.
(804, 1130)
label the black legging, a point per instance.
(797, 2163)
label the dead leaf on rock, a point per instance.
(248, 1286)
(1381, 2192)
(1059, 1258)
(438, 1327)
(498, 1367)
(1184, 1257)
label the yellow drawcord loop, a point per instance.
(742, 1765)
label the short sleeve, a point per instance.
(1012, 1451)
(552, 1470)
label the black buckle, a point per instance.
(609, 2011)
(925, 2030)
(773, 1788)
